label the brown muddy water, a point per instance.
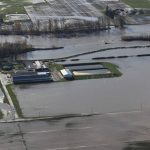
(77, 44)
(127, 93)
(84, 43)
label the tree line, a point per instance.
(59, 26)
(9, 49)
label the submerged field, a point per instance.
(103, 96)
(138, 3)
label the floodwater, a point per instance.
(77, 44)
(126, 93)
(117, 52)
(88, 96)
(81, 44)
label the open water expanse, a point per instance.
(127, 97)
(82, 44)
(78, 44)
(127, 93)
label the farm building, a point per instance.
(31, 77)
(38, 64)
(67, 74)
(40, 67)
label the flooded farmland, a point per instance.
(82, 44)
(77, 44)
(88, 96)
(117, 53)
(74, 75)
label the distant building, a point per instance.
(38, 64)
(67, 74)
(31, 77)
(40, 67)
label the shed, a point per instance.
(67, 74)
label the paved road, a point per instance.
(106, 132)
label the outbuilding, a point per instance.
(67, 74)
(31, 77)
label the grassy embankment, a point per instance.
(15, 101)
(13, 6)
(55, 68)
(114, 72)
(8, 49)
(138, 3)
(5, 100)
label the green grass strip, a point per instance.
(138, 3)
(5, 99)
(111, 67)
(15, 101)
(54, 66)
